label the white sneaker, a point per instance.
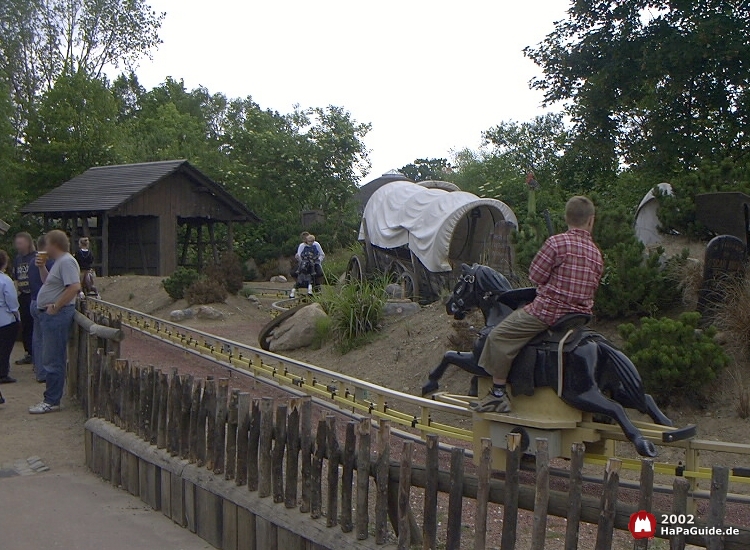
(309, 290)
(293, 293)
(43, 408)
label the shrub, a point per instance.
(673, 356)
(228, 272)
(180, 280)
(355, 309)
(206, 290)
(269, 269)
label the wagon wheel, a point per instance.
(273, 323)
(355, 269)
(401, 275)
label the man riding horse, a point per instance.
(566, 272)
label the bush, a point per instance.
(269, 269)
(355, 309)
(180, 280)
(228, 272)
(206, 290)
(673, 356)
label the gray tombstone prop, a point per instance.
(724, 260)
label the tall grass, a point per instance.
(355, 309)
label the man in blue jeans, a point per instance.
(38, 272)
(56, 306)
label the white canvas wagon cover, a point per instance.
(434, 220)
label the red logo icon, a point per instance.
(642, 525)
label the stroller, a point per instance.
(308, 270)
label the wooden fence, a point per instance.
(346, 476)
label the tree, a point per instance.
(658, 84)
(427, 169)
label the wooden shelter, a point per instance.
(143, 218)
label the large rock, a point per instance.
(298, 331)
(208, 312)
(400, 308)
(278, 279)
(179, 315)
(395, 291)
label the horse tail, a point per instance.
(631, 388)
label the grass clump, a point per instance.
(355, 310)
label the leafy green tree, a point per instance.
(426, 169)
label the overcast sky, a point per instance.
(428, 75)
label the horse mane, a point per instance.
(489, 280)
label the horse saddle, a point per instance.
(537, 365)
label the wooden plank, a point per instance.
(174, 408)
(429, 526)
(646, 497)
(541, 502)
(165, 496)
(606, 522)
(177, 500)
(243, 415)
(149, 483)
(162, 419)
(347, 477)
(363, 478)
(266, 534)
(208, 516)
(279, 447)
(253, 442)
(575, 488)
(186, 405)
(230, 465)
(484, 472)
(717, 505)
(333, 452)
(154, 388)
(229, 526)
(292, 455)
(510, 509)
(265, 458)
(455, 500)
(305, 428)
(381, 481)
(134, 486)
(115, 468)
(196, 431)
(245, 529)
(289, 541)
(220, 426)
(680, 489)
(316, 489)
(404, 494)
(209, 404)
(188, 492)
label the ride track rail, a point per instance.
(352, 396)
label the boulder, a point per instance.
(208, 312)
(395, 291)
(179, 315)
(278, 279)
(253, 298)
(298, 331)
(400, 308)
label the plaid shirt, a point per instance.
(566, 272)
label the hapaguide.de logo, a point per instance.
(642, 525)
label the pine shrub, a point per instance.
(206, 290)
(673, 356)
(179, 281)
(228, 272)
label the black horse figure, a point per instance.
(593, 367)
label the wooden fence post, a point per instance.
(429, 526)
(381, 480)
(264, 449)
(455, 500)
(609, 504)
(161, 434)
(292, 455)
(175, 403)
(154, 377)
(646, 497)
(347, 477)
(253, 444)
(575, 488)
(717, 505)
(220, 426)
(404, 493)
(279, 447)
(483, 494)
(230, 463)
(316, 489)
(209, 399)
(541, 499)
(305, 427)
(680, 489)
(510, 509)
(333, 452)
(243, 427)
(195, 416)
(363, 478)
(186, 405)
(135, 411)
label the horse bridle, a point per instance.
(463, 281)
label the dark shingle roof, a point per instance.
(103, 188)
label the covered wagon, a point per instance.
(421, 233)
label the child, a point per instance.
(310, 254)
(308, 240)
(84, 256)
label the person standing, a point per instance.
(56, 307)
(25, 255)
(37, 275)
(9, 317)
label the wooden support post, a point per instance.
(230, 236)
(232, 425)
(484, 474)
(279, 448)
(455, 500)
(429, 527)
(305, 426)
(333, 452)
(381, 481)
(608, 507)
(186, 243)
(316, 489)
(243, 427)
(347, 477)
(253, 443)
(104, 224)
(541, 500)
(220, 426)
(265, 447)
(199, 244)
(292, 455)
(404, 494)
(717, 505)
(575, 487)
(646, 497)
(680, 489)
(363, 478)
(212, 240)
